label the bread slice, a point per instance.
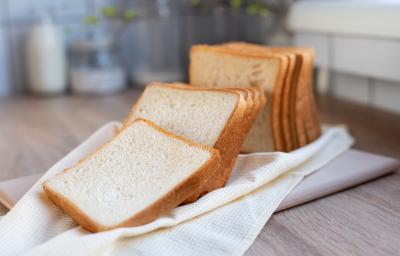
(303, 111)
(298, 119)
(252, 141)
(211, 117)
(312, 122)
(218, 66)
(290, 134)
(242, 131)
(259, 101)
(142, 173)
(247, 94)
(255, 99)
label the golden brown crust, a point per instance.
(245, 125)
(288, 101)
(73, 211)
(303, 97)
(314, 117)
(306, 107)
(163, 205)
(259, 101)
(308, 121)
(248, 94)
(294, 108)
(285, 117)
(252, 106)
(275, 102)
(259, 93)
(251, 114)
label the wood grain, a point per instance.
(365, 220)
(36, 132)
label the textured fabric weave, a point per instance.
(224, 222)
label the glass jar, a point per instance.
(95, 68)
(156, 46)
(151, 44)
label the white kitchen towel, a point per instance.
(223, 222)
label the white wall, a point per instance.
(363, 70)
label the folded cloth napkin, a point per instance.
(223, 222)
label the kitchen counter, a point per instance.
(35, 132)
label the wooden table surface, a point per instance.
(364, 220)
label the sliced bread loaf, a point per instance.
(258, 102)
(142, 173)
(303, 112)
(290, 83)
(290, 114)
(219, 66)
(211, 117)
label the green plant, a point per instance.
(251, 7)
(235, 4)
(257, 8)
(110, 12)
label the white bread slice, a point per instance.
(218, 66)
(254, 102)
(142, 173)
(211, 117)
(242, 131)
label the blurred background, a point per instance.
(100, 47)
(67, 67)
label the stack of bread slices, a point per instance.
(178, 143)
(181, 141)
(289, 120)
